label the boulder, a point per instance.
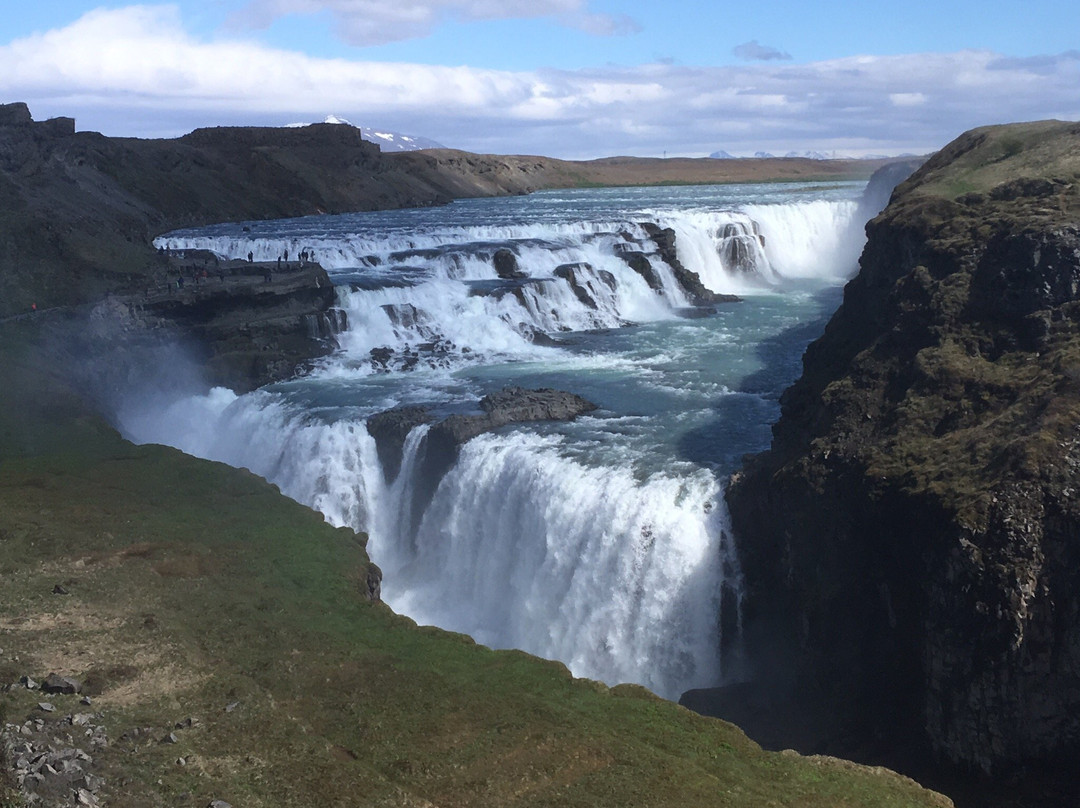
(506, 265)
(54, 683)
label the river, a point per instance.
(602, 542)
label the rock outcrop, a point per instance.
(448, 432)
(511, 405)
(239, 326)
(699, 294)
(250, 327)
(911, 541)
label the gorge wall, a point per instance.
(78, 211)
(911, 540)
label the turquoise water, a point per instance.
(601, 542)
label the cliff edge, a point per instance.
(911, 540)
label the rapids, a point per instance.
(601, 542)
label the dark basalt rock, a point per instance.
(740, 254)
(911, 540)
(447, 434)
(571, 273)
(517, 405)
(639, 262)
(390, 429)
(1019, 274)
(506, 265)
(512, 405)
(700, 295)
(15, 114)
(250, 331)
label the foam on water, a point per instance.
(602, 543)
(522, 547)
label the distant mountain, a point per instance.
(394, 141)
(761, 155)
(812, 155)
(387, 141)
(723, 155)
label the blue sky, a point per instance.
(567, 78)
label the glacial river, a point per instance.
(601, 542)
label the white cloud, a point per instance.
(135, 71)
(907, 99)
(375, 22)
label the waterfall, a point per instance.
(441, 296)
(602, 543)
(521, 546)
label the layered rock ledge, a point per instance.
(511, 405)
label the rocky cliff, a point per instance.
(911, 540)
(78, 211)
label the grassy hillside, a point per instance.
(983, 158)
(225, 639)
(465, 174)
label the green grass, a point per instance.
(194, 586)
(986, 157)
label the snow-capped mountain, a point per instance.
(394, 141)
(809, 155)
(386, 140)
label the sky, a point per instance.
(576, 79)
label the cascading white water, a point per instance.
(816, 239)
(601, 542)
(524, 547)
(521, 546)
(332, 467)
